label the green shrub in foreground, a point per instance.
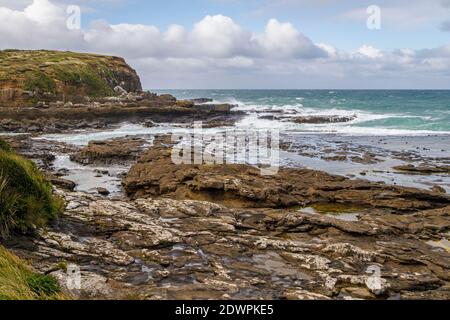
(26, 199)
(8, 204)
(43, 285)
(19, 282)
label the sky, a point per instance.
(249, 44)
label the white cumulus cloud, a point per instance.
(218, 52)
(370, 52)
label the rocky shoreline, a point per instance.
(225, 232)
(139, 226)
(104, 115)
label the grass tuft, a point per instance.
(26, 198)
(4, 146)
(26, 202)
(8, 208)
(43, 285)
(19, 282)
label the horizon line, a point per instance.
(331, 89)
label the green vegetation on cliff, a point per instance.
(59, 75)
(26, 199)
(19, 282)
(39, 81)
(91, 79)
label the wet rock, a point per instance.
(103, 191)
(109, 112)
(185, 103)
(438, 189)
(366, 159)
(423, 169)
(101, 172)
(62, 183)
(149, 124)
(168, 97)
(335, 158)
(224, 107)
(201, 100)
(358, 293)
(304, 295)
(253, 237)
(115, 151)
(173, 249)
(235, 185)
(440, 294)
(218, 123)
(322, 119)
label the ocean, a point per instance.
(377, 112)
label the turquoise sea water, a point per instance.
(377, 111)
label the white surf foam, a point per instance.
(354, 127)
(83, 138)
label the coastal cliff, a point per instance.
(29, 77)
(55, 91)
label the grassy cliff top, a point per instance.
(19, 60)
(63, 73)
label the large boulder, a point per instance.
(237, 185)
(114, 151)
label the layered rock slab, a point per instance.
(236, 185)
(185, 249)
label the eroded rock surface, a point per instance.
(280, 237)
(423, 169)
(314, 119)
(322, 119)
(155, 174)
(107, 113)
(184, 249)
(114, 151)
